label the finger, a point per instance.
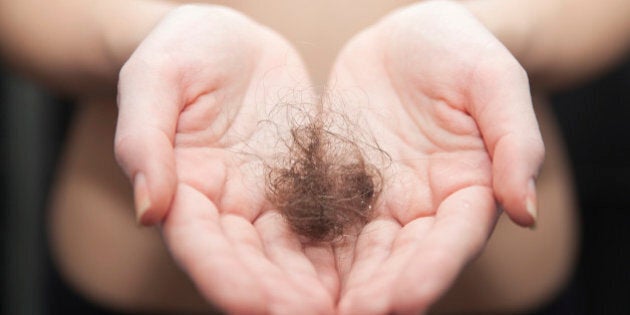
(284, 249)
(502, 105)
(375, 271)
(196, 240)
(280, 296)
(148, 111)
(462, 226)
(373, 246)
(323, 259)
(283, 295)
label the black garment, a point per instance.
(595, 121)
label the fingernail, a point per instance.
(141, 196)
(531, 203)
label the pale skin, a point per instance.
(193, 183)
(322, 277)
(210, 101)
(434, 105)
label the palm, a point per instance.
(198, 115)
(240, 254)
(422, 78)
(220, 227)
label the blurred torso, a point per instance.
(107, 257)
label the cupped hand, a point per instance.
(197, 116)
(452, 108)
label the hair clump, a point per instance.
(323, 186)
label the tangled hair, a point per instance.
(323, 186)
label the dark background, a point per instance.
(594, 118)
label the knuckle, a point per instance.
(123, 147)
(539, 151)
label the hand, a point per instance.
(190, 137)
(452, 108)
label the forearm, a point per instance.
(559, 42)
(74, 46)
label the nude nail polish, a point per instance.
(141, 196)
(531, 203)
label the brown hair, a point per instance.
(324, 186)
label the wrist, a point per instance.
(124, 24)
(524, 28)
(508, 21)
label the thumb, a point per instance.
(148, 111)
(503, 109)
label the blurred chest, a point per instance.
(318, 29)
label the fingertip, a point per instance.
(516, 164)
(142, 198)
(152, 201)
(523, 209)
(149, 218)
(147, 157)
(531, 202)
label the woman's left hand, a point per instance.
(452, 107)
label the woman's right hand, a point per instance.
(191, 101)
